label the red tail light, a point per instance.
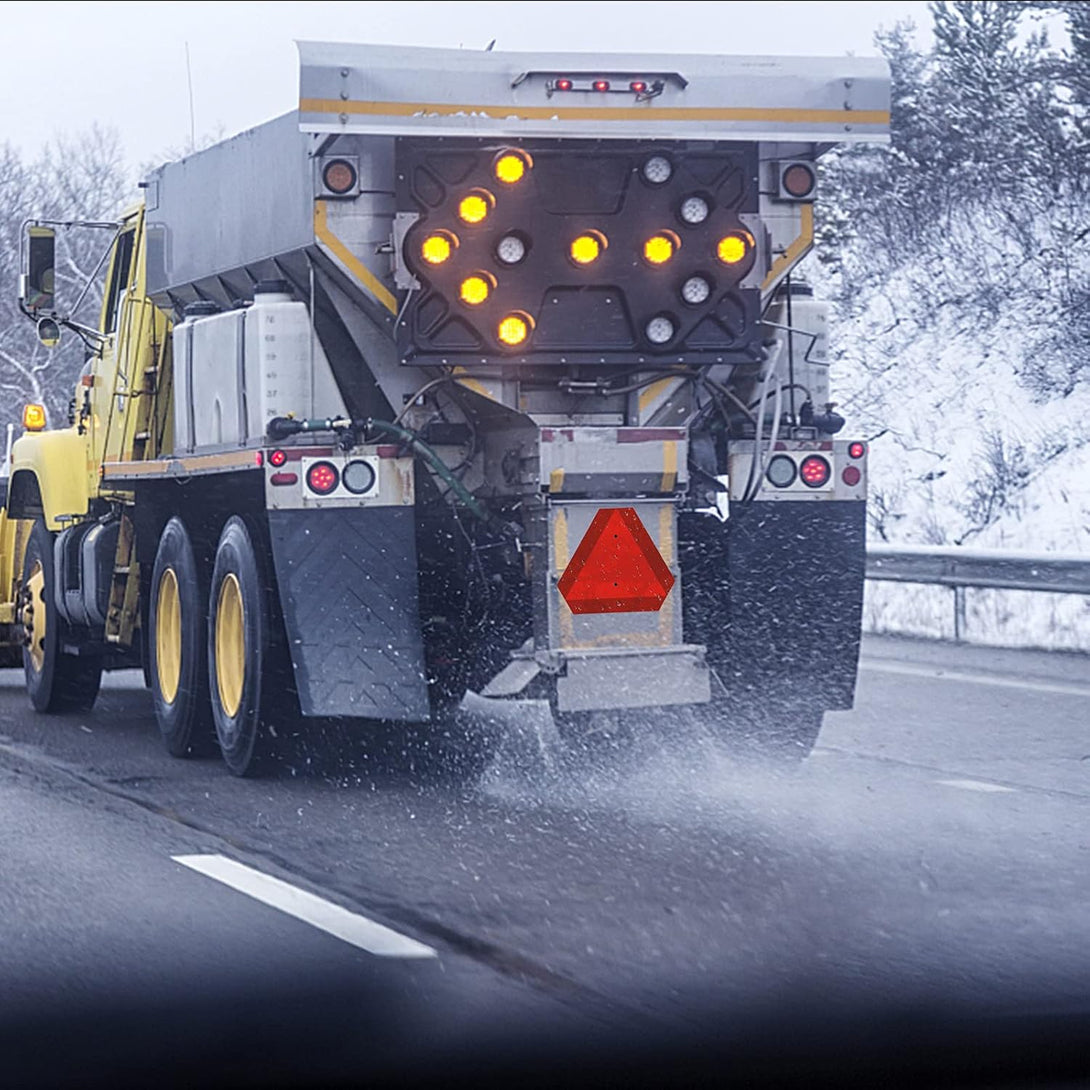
(814, 471)
(856, 450)
(277, 458)
(322, 477)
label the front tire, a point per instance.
(178, 662)
(55, 682)
(238, 652)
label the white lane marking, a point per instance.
(937, 673)
(976, 785)
(351, 927)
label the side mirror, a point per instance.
(36, 287)
(49, 332)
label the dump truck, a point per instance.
(479, 372)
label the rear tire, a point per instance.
(239, 640)
(177, 635)
(55, 682)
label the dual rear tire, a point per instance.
(55, 681)
(209, 648)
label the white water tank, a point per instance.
(235, 371)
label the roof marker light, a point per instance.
(601, 85)
(563, 85)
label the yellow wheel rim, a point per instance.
(230, 646)
(168, 636)
(34, 615)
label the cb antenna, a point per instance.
(192, 115)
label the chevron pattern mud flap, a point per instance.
(348, 590)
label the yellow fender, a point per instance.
(49, 476)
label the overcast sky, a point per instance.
(66, 66)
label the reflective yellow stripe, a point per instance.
(474, 385)
(797, 248)
(504, 112)
(174, 467)
(669, 465)
(649, 393)
(356, 267)
(556, 482)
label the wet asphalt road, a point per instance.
(933, 850)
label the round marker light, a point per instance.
(601, 85)
(695, 290)
(474, 290)
(586, 249)
(814, 471)
(694, 210)
(657, 169)
(658, 249)
(475, 206)
(358, 477)
(511, 249)
(563, 85)
(278, 458)
(798, 180)
(437, 248)
(781, 471)
(510, 168)
(322, 478)
(339, 177)
(660, 330)
(856, 450)
(638, 86)
(513, 330)
(731, 249)
(851, 476)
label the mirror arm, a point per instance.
(101, 262)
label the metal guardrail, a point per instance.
(993, 569)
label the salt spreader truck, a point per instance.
(479, 371)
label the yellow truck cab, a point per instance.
(72, 522)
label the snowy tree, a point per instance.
(73, 179)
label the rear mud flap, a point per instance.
(348, 591)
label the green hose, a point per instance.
(432, 458)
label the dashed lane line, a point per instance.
(938, 673)
(350, 927)
(978, 785)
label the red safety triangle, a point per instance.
(617, 567)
